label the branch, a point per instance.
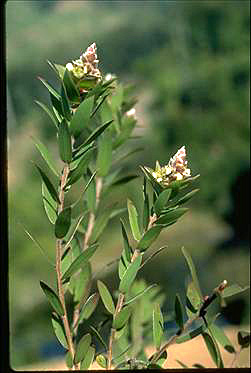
(58, 267)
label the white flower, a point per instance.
(69, 66)
(159, 179)
(154, 175)
(131, 113)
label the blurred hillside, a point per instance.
(190, 63)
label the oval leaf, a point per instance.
(47, 110)
(69, 360)
(231, 290)
(63, 223)
(221, 337)
(102, 361)
(178, 312)
(130, 275)
(193, 300)
(79, 171)
(64, 140)
(162, 201)
(71, 89)
(104, 159)
(50, 205)
(122, 318)
(192, 270)
(81, 117)
(88, 359)
(48, 184)
(212, 349)
(80, 261)
(59, 330)
(46, 155)
(187, 196)
(171, 216)
(97, 133)
(53, 298)
(82, 348)
(158, 324)
(106, 297)
(149, 237)
(133, 219)
(89, 307)
(139, 295)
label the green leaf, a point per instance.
(79, 171)
(89, 307)
(46, 155)
(121, 318)
(63, 223)
(50, 205)
(64, 140)
(69, 360)
(80, 261)
(221, 337)
(149, 237)
(139, 295)
(87, 361)
(129, 275)
(102, 361)
(133, 219)
(125, 241)
(47, 110)
(178, 312)
(231, 290)
(104, 159)
(171, 216)
(192, 270)
(82, 348)
(48, 184)
(146, 208)
(58, 69)
(90, 195)
(81, 117)
(59, 330)
(187, 196)
(71, 89)
(65, 103)
(106, 297)
(81, 283)
(50, 89)
(57, 107)
(158, 324)
(162, 201)
(243, 339)
(194, 333)
(99, 337)
(97, 132)
(52, 298)
(125, 259)
(212, 349)
(193, 300)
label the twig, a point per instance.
(201, 313)
(58, 268)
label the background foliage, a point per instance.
(190, 63)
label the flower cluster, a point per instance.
(176, 169)
(86, 65)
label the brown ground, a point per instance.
(189, 353)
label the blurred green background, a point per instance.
(190, 63)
